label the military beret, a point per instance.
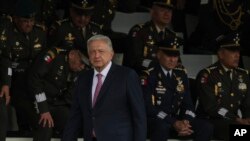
(164, 3)
(230, 42)
(170, 45)
(83, 7)
(25, 9)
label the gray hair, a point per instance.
(100, 37)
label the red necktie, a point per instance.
(98, 88)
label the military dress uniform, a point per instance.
(18, 53)
(168, 100)
(4, 23)
(66, 35)
(143, 50)
(222, 95)
(51, 84)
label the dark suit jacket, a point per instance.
(119, 112)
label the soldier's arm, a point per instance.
(37, 81)
(245, 108)
(187, 107)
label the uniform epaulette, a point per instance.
(61, 21)
(210, 68)
(148, 71)
(243, 70)
(96, 24)
(137, 27)
(9, 18)
(41, 26)
(181, 69)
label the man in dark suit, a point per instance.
(168, 102)
(223, 89)
(107, 98)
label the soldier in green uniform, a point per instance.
(21, 42)
(143, 49)
(168, 101)
(224, 88)
(51, 84)
(74, 32)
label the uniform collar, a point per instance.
(166, 71)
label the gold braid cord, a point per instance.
(230, 18)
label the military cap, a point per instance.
(83, 7)
(164, 3)
(230, 42)
(25, 9)
(170, 45)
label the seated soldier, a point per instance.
(168, 102)
(223, 89)
(51, 84)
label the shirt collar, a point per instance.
(166, 71)
(105, 71)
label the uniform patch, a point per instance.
(204, 78)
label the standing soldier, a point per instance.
(51, 84)
(74, 32)
(144, 37)
(168, 101)
(224, 88)
(4, 97)
(21, 43)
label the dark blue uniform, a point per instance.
(168, 100)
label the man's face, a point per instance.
(24, 25)
(229, 58)
(100, 54)
(161, 15)
(75, 62)
(79, 20)
(167, 61)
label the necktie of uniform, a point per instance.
(168, 75)
(229, 74)
(161, 35)
(97, 89)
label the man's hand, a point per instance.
(5, 92)
(183, 127)
(46, 119)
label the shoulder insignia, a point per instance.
(9, 18)
(243, 70)
(204, 76)
(181, 68)
(144, 76)
(51, 54)
(61, 21)
(96, 24)
(41, 26)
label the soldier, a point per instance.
(144, 37)
(168, 102)
(223, 89)
(51, 84)
(74, 32)
(21, 43)
(4, 97)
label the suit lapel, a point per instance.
(106, 84)
(89, 89)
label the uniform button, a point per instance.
(56, 78)
(232, 94)
(103, 16)
(172, 106)
(231, 105)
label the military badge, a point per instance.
(153, 99)
(3, 37)
(180, 86)
(158, 102)
(204, 78)
(17, 43)
(242, 86)
(69, 37)
(49, 57)
(160, 89)
(37, 45)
